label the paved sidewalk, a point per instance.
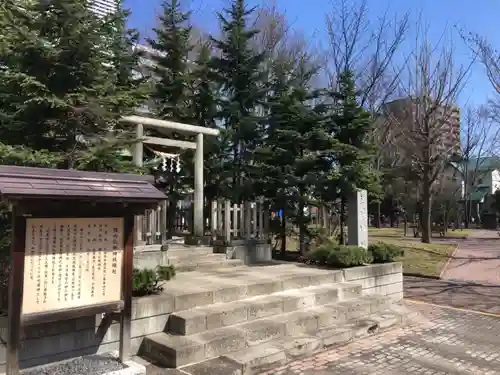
(476, 259)
(460, 294)
(445, 341)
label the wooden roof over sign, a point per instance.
(44, 183)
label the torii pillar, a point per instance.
(198, 201)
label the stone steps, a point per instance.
(207, 264)
(187, 258)
(174, 350)
(202, 319)
(184, 250)
(245, 317)
(275, 352)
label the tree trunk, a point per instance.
(171, 214)
(283, 233)
(302, 228)
(426, 209)
(405, 224)
(377, 214)
(466, 211)
(342, 220)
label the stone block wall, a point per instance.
(97, 334)
(251, 251)
(62, 340)
(382, 279)
(149, 256)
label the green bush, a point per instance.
(385, 252)
(146, 282)
(349, 256)
(320, 254)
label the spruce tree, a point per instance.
(239, 76)
(69, 93)
(172, 95)
(288, 159)
(172, 45)
(351, 126)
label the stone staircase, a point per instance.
(255, 317)
(191, 258)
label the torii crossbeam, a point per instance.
(141, 122)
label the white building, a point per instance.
(103, 7)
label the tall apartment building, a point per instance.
(405, 117)
(103, 7)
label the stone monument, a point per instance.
(357, 220)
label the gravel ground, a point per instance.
(87, 365)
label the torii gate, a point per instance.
(141, 122)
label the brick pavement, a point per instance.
(476, 259)
(461, 294)
(441, 341)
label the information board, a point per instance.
(72, 263)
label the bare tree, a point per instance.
(363, 47)
(480, 141)
(281, 42)
(428, 139)
(367, 49)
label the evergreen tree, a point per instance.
(288, 159)
(239, 77)
(172, 95)
(351, 126)
(61, 91)
(172, 88)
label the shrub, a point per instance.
(146, 282)
(318, 237)
(349, 256)
(320, 254)
(385, 252)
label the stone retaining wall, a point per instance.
(68, 339)
(382, 279)
(72, 338)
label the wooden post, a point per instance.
(227, 220)
(16, 286)
(163, 221)
(266, 221)
(254, 219)
(220, 217)
(213, 217)
(235, 221)
(261, 218)
(128, 266)
(242, 226)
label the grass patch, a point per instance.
(420, 258)
(399, 232)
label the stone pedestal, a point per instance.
(250, 251)
(357, 219)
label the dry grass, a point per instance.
(399, 232)
(420, 258)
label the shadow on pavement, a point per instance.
(460, 294)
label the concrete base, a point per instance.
(133, 368)
(149, 256)
(253, 251)
(198, 241)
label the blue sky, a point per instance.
(479, 16)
